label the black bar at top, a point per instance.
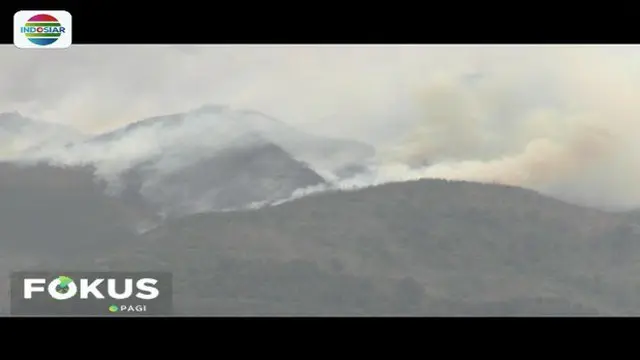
(244, 22)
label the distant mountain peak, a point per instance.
(21, 136)
(211, 127)
(209, 158)
(8, 114)
(13, 121)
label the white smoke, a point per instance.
(559, 119)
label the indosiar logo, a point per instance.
(42, 29)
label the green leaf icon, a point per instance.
(113, 308)
(64, 281)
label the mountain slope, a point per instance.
(453, 248)
(49, 211)
(210, 128)
(235, 177)
(210, 159)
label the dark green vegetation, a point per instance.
(416, 248)
(427, 247)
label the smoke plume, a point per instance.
(558, 119)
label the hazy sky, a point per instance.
(552, 117)
(335, 89)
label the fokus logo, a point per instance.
(91, 293)
(64, 288)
